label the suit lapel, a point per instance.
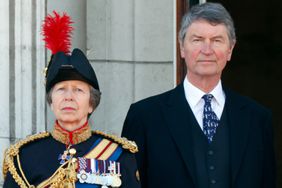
(176, 113)
(239, 122)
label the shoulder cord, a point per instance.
(9, 160)
(126, 144)
(63, 177)
(5, 168)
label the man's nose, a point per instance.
(207, 48)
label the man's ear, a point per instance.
(231, 51)
(181, 47)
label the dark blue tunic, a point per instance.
(39, 160)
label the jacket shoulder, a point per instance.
(246, 101)
(124, 142)
(156, 99)
(14, 150)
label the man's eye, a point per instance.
(218, 40)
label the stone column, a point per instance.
(22, 104)
(4, 81)
(130, 45)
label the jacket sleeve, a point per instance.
(269, 165)
(133, 129)
(128, 171)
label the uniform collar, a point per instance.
(71, 137)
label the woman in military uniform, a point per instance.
(71, 155)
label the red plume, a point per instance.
(57, 32)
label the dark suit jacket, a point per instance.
(161, 129)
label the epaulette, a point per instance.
(13, 151)
(124, 142)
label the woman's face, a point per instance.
(71, 103)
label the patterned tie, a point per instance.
(210, 120)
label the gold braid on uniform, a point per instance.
(126, 144)
(79, 135)
(12, 152)
(65, 175)
(5, 165)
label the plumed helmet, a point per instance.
(63, 64)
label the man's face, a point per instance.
(206, 50)
(70, 102)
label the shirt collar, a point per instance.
(194, 94)
(218, 94)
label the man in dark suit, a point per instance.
(201, 134)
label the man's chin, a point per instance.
(208, 73)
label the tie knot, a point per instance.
(207, 98)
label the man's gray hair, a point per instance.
(213, 13)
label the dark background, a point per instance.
(256, 65)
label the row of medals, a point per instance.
(105, 180)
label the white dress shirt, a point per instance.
(194, 98)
